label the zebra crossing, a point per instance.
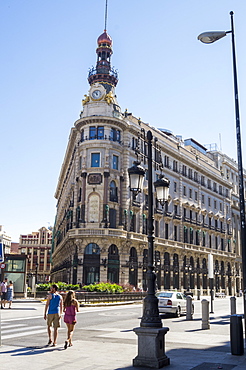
(9, 329)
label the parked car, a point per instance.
(172, 303)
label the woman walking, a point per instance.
(71, 307)
(10, 293)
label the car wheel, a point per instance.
(178, 312)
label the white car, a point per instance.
(172, 303)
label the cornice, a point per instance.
(102, 120)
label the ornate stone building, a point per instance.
(37, 247)
(101, 230)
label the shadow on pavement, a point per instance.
(27, 351)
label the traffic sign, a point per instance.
(2, 265)
(1, 253)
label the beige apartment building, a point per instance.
(37, 247)
(101, 229)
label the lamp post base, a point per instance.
(151, 348)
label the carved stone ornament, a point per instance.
(94, 178)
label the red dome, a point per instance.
(104, 38)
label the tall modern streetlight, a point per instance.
(208, 38)
(151, 343)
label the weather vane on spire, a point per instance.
(106, 11)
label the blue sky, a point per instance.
(166, 77)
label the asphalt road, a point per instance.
(24, 325)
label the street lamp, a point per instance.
(150, 332)
(207, 38)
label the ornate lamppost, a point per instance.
(150, 332)
(208, 38)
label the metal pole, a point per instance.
(240, 169)
(150, 316)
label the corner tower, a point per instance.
(103, 73)
(101, 98)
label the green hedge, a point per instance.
(104, 288)
(61, 286)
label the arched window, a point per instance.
(92, 248)
(113, 196)
(113, 264)
(91, 268)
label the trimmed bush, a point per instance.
(103, 288)
(61, 286)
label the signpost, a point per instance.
(1, 253)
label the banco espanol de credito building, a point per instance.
(100, 230)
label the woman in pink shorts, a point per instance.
(71, 307)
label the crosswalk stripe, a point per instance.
(16, 335)
(26, 328)
(5, 325)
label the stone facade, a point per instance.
(101, 230)
(37, 247)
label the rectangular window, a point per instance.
(175, 187)
(203, 180)
(209, 201)
(175, 233)
(115, 136)
(166, 231)
(190, 193)
(115, 162)
(215, 204)
(196, 195)
(175, 166)
(203, 199)
(209, 184)
(93, 133)
(95, 159)
(184, 190)
(100, 132)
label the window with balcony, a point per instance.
(115, 135)
(96, 133)
(92, 133)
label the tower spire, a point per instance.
(103, 72)
(106, 15)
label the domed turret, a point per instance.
(103, 73)
(104, 39)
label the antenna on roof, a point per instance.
(106, 13)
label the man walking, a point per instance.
(3, 290)
(54, 305)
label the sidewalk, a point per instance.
(187, 346)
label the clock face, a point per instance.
(96, 94)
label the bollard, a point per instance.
(236, 335)
(189, 310)
(205, 314)
(233, 306)
(198, 294)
